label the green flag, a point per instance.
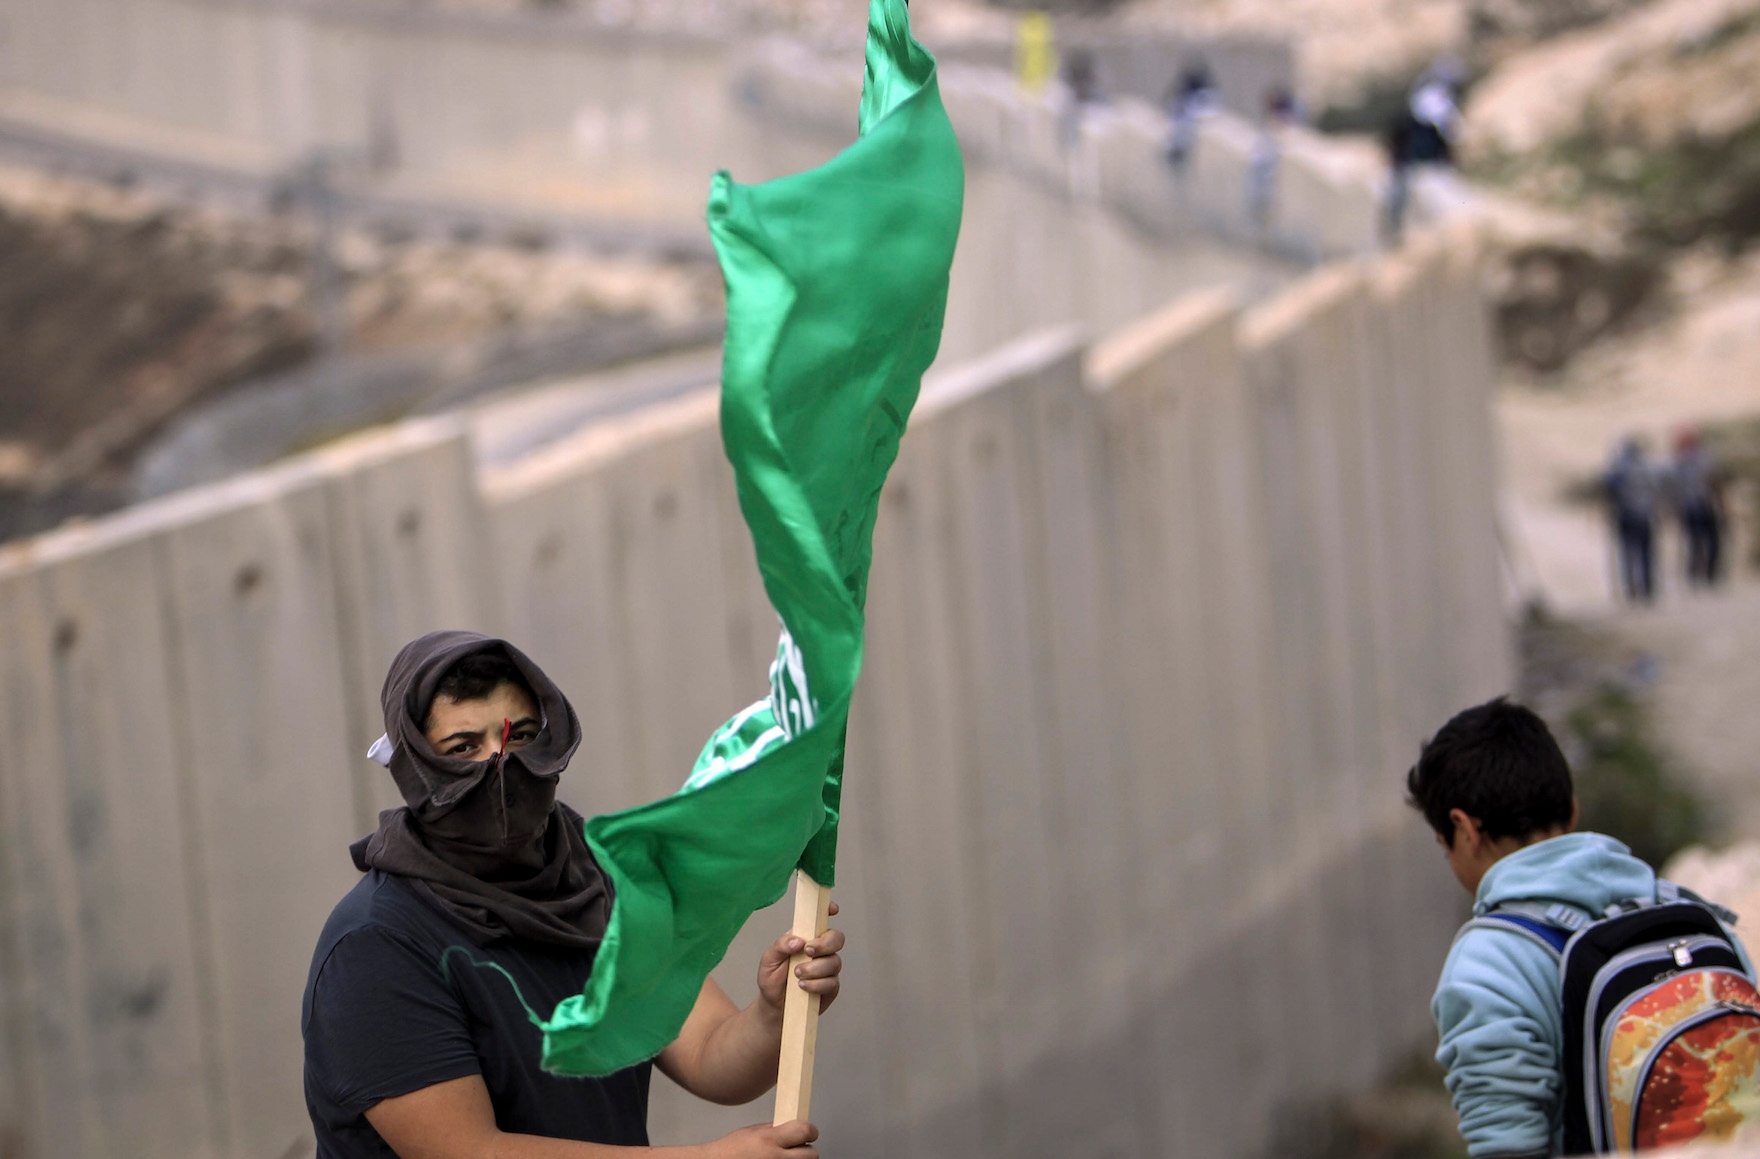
(836, 289)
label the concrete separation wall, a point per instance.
(1136, 62)
(507, 111)
(425, 114)
(1155, 625)
(1319, 202)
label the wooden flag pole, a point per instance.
(800, 1010)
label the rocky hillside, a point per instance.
(122, 311)
(1649, 123)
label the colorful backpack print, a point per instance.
(1661, 1020)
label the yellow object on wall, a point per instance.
(1035, 53)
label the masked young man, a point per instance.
(481, 909)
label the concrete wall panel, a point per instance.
(1004, 755)
(117, 798)
(1332, 367)
(1148, 377)
(413, 555)
(18, 1069)
(49, 1040)
(1301, 359)
(1075, 537)
(906, 739)
(1156, 629)
(679, 684)
(1426, 699)
(264, 727)
(1473, 362)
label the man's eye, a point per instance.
(458, 750)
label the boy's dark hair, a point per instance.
(1498, 763)
(478, 675)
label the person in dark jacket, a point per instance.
(1631, 489)
(1422, 134)
(1191, 98)
(1696, 492)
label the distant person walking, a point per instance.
(1435, 116)
(1422, 134)
(1631, 489)
(1695, 489)
(1267, 158)
(1191, 98)
(1398, 143)
(1082, 93)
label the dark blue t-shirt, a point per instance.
(400, 997)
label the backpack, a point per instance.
(1661, 1020)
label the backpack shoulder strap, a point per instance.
(1552, 937)
(1551, 924)
(1547, 913)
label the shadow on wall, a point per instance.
(1225, 1034)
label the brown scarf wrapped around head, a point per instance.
(487, 839)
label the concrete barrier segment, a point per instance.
(413, 555)
(907, 751)
(1150, 350)
(119, 1005)
(1081, 687)
(945, 388)
(1473, 386)
(1007, 754)
(1467, 550)
(1296, 350)
(1127, 155)
(1423, 359)
(598, 444)
(1409, 356)
(19, 1077)
(1322, 203)
(1328, 199)
(1197, 809)
(258, 662)
(41, 999)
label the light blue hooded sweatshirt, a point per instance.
(1497, 1004)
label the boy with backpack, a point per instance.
(1588, 1006)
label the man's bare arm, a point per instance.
(455, 1120)
(727, 1055)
